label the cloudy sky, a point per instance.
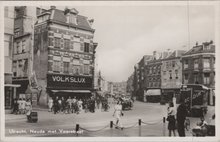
(126, 33)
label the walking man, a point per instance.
(181, 117)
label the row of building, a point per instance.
(48, 52)
(162, 74)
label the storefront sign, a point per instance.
(68, 81)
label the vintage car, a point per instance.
(127, 103)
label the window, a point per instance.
(18, 48)
(186, 77)
(50, 41)
(76, 69)
(73, 19)
(214, 63)
(56, 66)
(57, 42)
(176, 72)
(196, 78)
(81, 70)
(186, 64)
(38, 11)
(66, 67)
(167, 65)
(206, 78)
(170, 72)
(23, 46)
(14, 68)
(67, 44)
(25, 67)
(76, 46)
(86, 69)
(206, 63)
(173, 64)
(86, 47)
(196, 64)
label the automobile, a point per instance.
(127, 103)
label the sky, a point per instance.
(126, 33)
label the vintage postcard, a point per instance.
(109, 70)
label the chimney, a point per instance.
(91, 22)
(154, 55)
(53, 7)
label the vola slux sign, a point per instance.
(68, 81)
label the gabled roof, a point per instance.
(60, 17)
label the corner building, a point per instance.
(64, 54)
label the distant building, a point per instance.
(171, 75)
(153, 77)
(119, 88)
(199, 66)
(10, 89)
(25, 18)
(130, 87)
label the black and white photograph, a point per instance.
(109, 70)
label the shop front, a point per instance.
(10, 95)
(69, 86)
(153, 95)
(168, 94)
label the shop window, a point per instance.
(66, 67)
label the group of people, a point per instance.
(22, 106)
(71, 105)
(176, 119)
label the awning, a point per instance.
(72, 91)
(12, 85)
(153, 92)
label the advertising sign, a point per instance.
(68, 81)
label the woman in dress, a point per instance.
(117, 114)
(171, 119)
(50, 104)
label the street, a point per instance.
(95, 124)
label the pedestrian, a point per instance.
(56, 107)
(59, 105)
(15, 106)
(171, 112)
(50, 104)
(63, 105)
(80, 105)
(181, 117)
(69, 103)
(19, 105)
(117, 114)
(73, 108)
(28, 109)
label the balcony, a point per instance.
(206, 69)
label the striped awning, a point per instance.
(153, 92)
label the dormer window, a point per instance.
(73, 19)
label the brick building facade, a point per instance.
(64, 54)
